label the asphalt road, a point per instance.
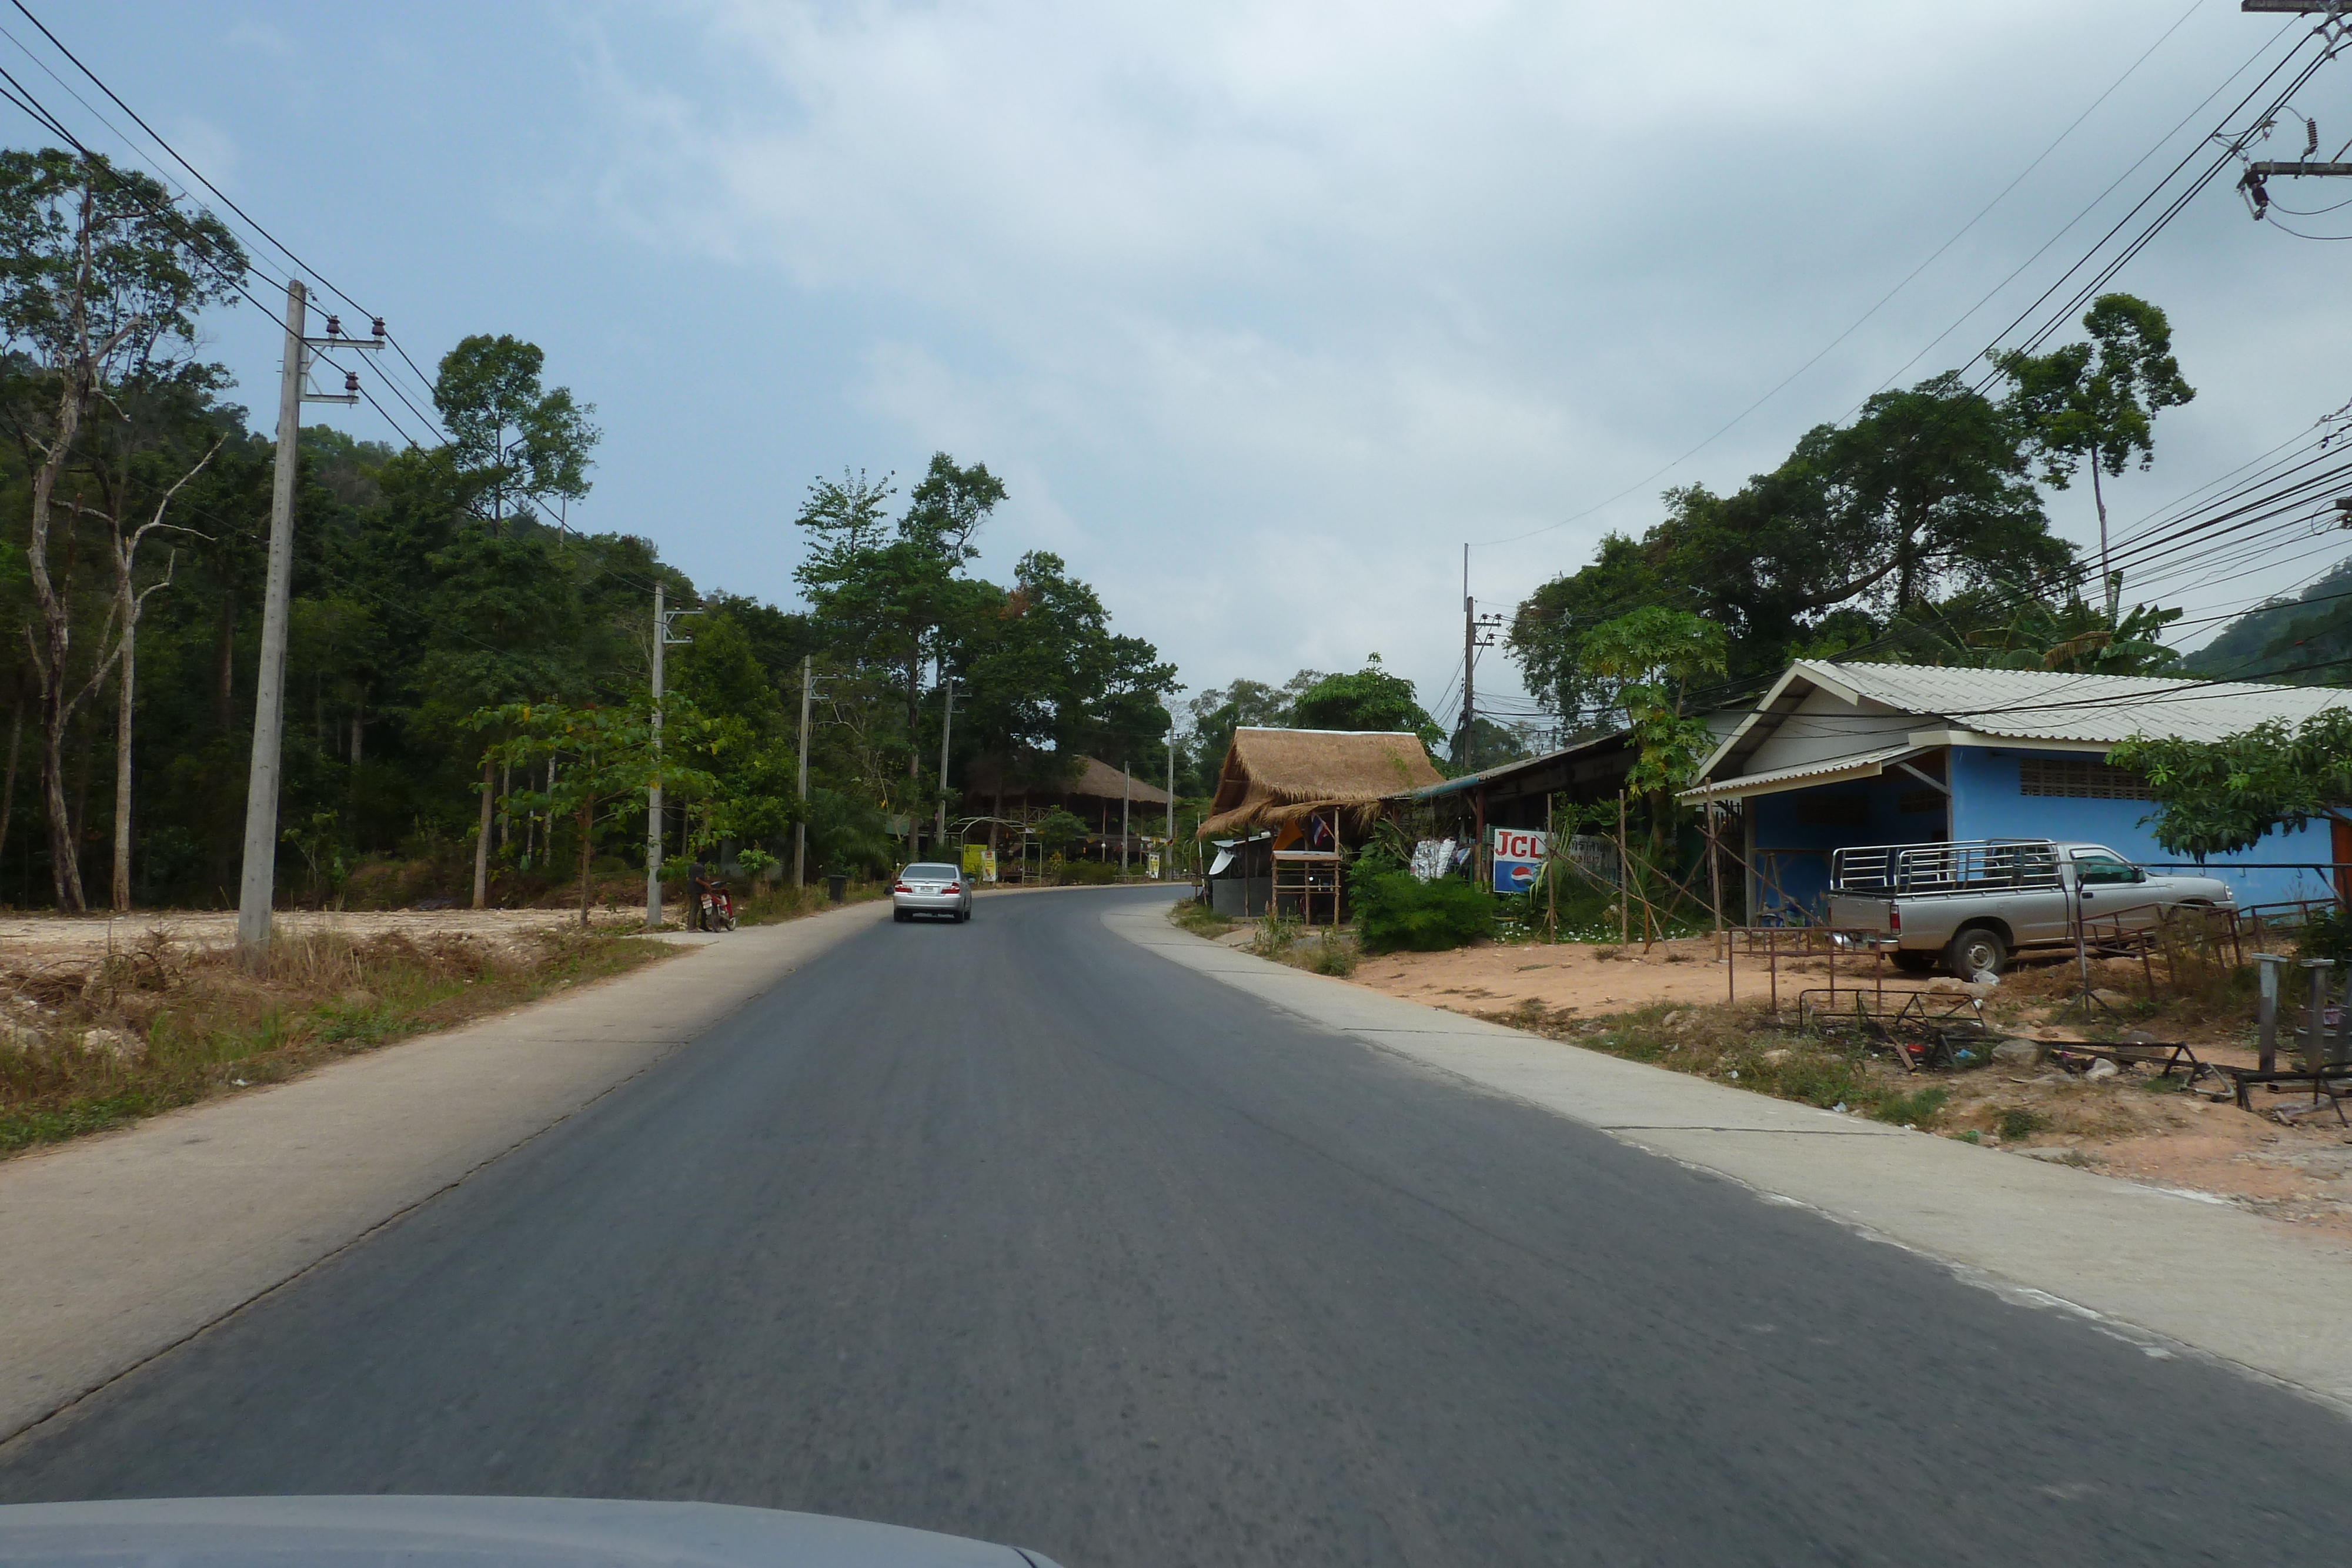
(1014, 1230)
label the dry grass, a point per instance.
(154, 1026)
(781, 902)
(1742, 1047)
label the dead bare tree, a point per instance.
(124, 541)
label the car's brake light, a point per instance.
(902, 887)
(1894, 917)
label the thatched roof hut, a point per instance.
(1276, 776)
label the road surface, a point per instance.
(1014, 1230)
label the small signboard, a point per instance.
(1151, 867)
(988, 866)
(1518, 856)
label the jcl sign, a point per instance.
(1518, 856)
(1518, 844)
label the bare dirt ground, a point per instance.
(2131, 1126)
(1568, 978)
(32, 940)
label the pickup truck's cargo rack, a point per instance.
(1967, 866)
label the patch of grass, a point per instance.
(1199, 919)
(155, 1027)
(782, 901)
(1275, 933)
(2017, 1122)
(1918, 1108)
(1334, 955)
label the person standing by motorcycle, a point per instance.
(698, 889)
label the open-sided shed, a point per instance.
(1319, 791)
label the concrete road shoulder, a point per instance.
(123, 1245)
(2187, 1270)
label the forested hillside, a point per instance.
(2306, 640)
(449, 640)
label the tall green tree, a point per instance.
(1928, 494)
(514, 442)
(1370, 699)
(2095, 405)
(897, 597)
(101, 281)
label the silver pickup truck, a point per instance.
(1970, 905)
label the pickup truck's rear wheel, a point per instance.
(1978, 949)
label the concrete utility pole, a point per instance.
(946, 727)
(1168, 850)
(800, 829)
(653, 826)
(258, 883)
(1464, 752)
(653, 795)
(1126, 795)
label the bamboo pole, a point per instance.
(1625, 880)
(1551, 878)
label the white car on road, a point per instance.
(930, 888)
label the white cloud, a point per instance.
(1279, 302)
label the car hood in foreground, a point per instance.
(468, 1532)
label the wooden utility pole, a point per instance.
(1625, 880)
(1551, 875)
(800, 828)
(258, 881)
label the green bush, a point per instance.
(2327, 934)
(1394, 911)
(1088, 873)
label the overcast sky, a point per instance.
(1260, 311)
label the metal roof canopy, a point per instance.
(1806, 774)
(2029, 707)
(1586, 762)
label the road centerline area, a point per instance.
(1012, 1230)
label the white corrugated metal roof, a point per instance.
(2042, 705)
(1857, 765)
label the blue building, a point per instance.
(1838, 754)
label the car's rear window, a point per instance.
(931, 873)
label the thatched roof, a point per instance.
(1279, 775)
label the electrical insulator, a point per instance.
(350, 380)
(334, 325)
(379, 326)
